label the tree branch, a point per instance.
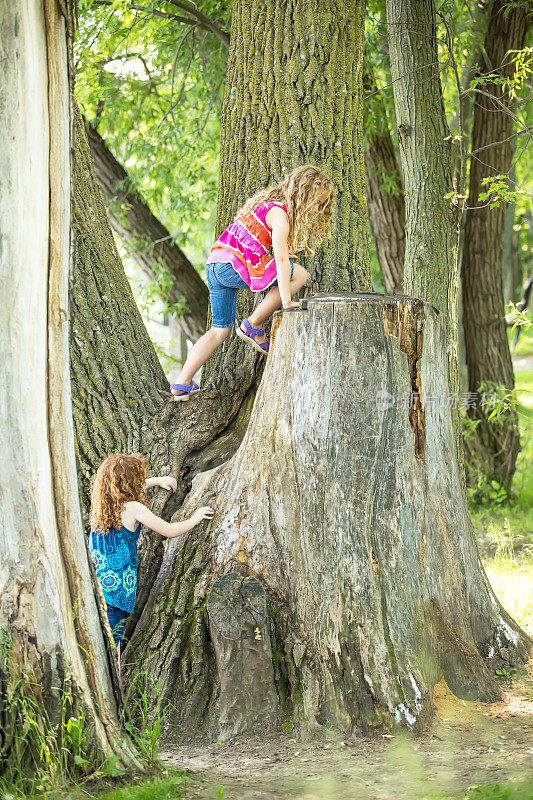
(198, 19)
(202, 20)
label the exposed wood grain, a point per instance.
(240, 634)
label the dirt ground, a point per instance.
(469, 744)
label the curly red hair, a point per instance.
(309, 218)
(120, 478)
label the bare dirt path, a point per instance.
(470, 743)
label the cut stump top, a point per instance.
(357, 297)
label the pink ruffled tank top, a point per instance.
(246, 244)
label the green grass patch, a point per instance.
(512, 581)
(168, 785)
(168, 788)
(505, 531)
(502, 791)
(513, 518)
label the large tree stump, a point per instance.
(345, 501)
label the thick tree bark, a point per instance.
(148, 241)
(44, 571)
(341, 567)
(384, 194)
(431, 221)
(293, 95)
(493, 447)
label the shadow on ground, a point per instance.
(470, 743)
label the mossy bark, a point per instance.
(294, 96)
(492, 447)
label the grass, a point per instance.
(502, 791)
(512, 581)
(158, 789)
(519, 511)
(505, 531)
(167, 786)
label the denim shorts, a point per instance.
(223, 282)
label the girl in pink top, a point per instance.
(282, 219)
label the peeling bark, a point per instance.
(350, 513)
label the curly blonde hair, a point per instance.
(309, 217)
(120, 478)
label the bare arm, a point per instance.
(168, 529)
(164, 481)
(278, 220)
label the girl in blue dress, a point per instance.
(117, 512)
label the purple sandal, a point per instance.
(248, 336)
(186, 389)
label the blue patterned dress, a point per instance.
(115, 557)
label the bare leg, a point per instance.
(272, 301)
(200, 352)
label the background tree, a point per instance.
(149, 243)
(431, 220)
(52, 646)
(486, 346)
(150, 80)
(384, 189)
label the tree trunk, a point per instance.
(51, 636)
(511, 268)
(341, 568)
(431, 221)
(493, 447)
(277, 115)
(384, 194)
(149, 242)
(293, 95)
